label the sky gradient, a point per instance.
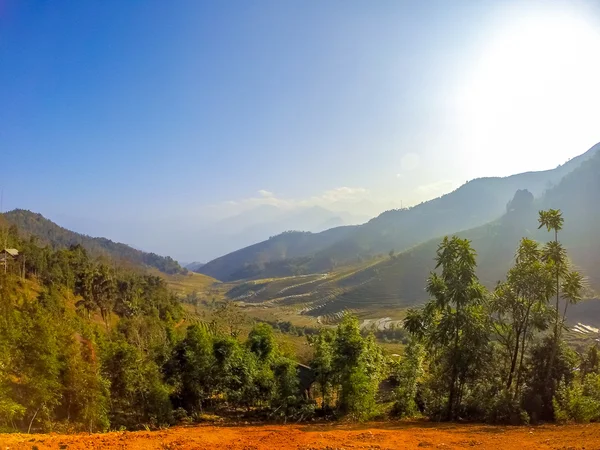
(126, 118)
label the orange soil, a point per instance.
(389, 435)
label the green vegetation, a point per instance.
(58, 237)
(89, 345)
(348, 368)
(499, 356)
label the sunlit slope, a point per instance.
(48, 232)
(191, 282)
(474, 204)
(389, 284)
(400, 282)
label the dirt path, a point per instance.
(389, 435)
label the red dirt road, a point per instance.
(388, 435)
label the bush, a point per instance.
(408, 373)
(359, 396)
(578, 402)
(506, 409)
(180, 415)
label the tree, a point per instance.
(591, 362)
(83, 288)
(541, 389)
(286, 400)
(36, 366)
(227, 317)
(137, 390)
(236, 370)
(519, 306)
(10, 408)
(194, 362)
(570, 289)
(408, 372)
(261, 341)
(322, 363)
(358, 364)
(454, 323)
(554, 254)
(85, 392)
(103, 291)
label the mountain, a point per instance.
(400, 281)
(48, 232)
(258, 224)
(475, 203)
(267, 256)
(193, 266)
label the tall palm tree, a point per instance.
(554, 252)
(572, 286)
(552, 220)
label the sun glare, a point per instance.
(533, 94)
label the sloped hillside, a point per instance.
(257, 259)
(48, 232)
(578, 196)
(399, 282)
(473, 204)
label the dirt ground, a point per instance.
(388, 435)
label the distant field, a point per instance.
(191, 282)
(304, 301)
(320, 298)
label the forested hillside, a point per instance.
(399, 281)
(88, 346)
(473, 204)
(50, 233)
(85, 345)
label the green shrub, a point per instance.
(359, 396)
(578, 402)
(506, 409)
(408, 372)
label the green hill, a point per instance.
(282, 255)
(400, 282)
(32, 224)
(391, 284)
(474, 204)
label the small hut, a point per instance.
(6, 255)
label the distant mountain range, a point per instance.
(398, 282)
(193, 266)
(52, 234)
(259, 223)
(474, 204)
(492, 212)
(401, 280)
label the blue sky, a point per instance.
(116, 114)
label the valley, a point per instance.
(307, 225)
(240, 347)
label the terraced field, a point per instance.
(323, 298)
(191, 282)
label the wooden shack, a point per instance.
(7, 255)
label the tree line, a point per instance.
(30, 223)
(89, 345)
